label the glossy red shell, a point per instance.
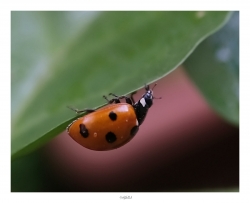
(99, 123)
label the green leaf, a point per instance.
(214, 67)
(73, 58)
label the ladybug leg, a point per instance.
(128, 99)
(114, 100)
(132, 98)
(105, 98)
(114, 95)
(81, 111)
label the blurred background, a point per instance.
(184, 144)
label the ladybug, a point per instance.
(113, 125)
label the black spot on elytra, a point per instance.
(112, 116)
(83, 130)
(110, 137)
(134, 130)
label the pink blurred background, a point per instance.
(183, 145)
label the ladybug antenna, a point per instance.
(147, 87)
(157, 97)
(153, 89)
(154, 86)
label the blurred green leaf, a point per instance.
(214, 67)
(73, 58)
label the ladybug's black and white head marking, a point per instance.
(147, 99)
(141, 107)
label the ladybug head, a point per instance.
(141, 107)
(148, 96)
